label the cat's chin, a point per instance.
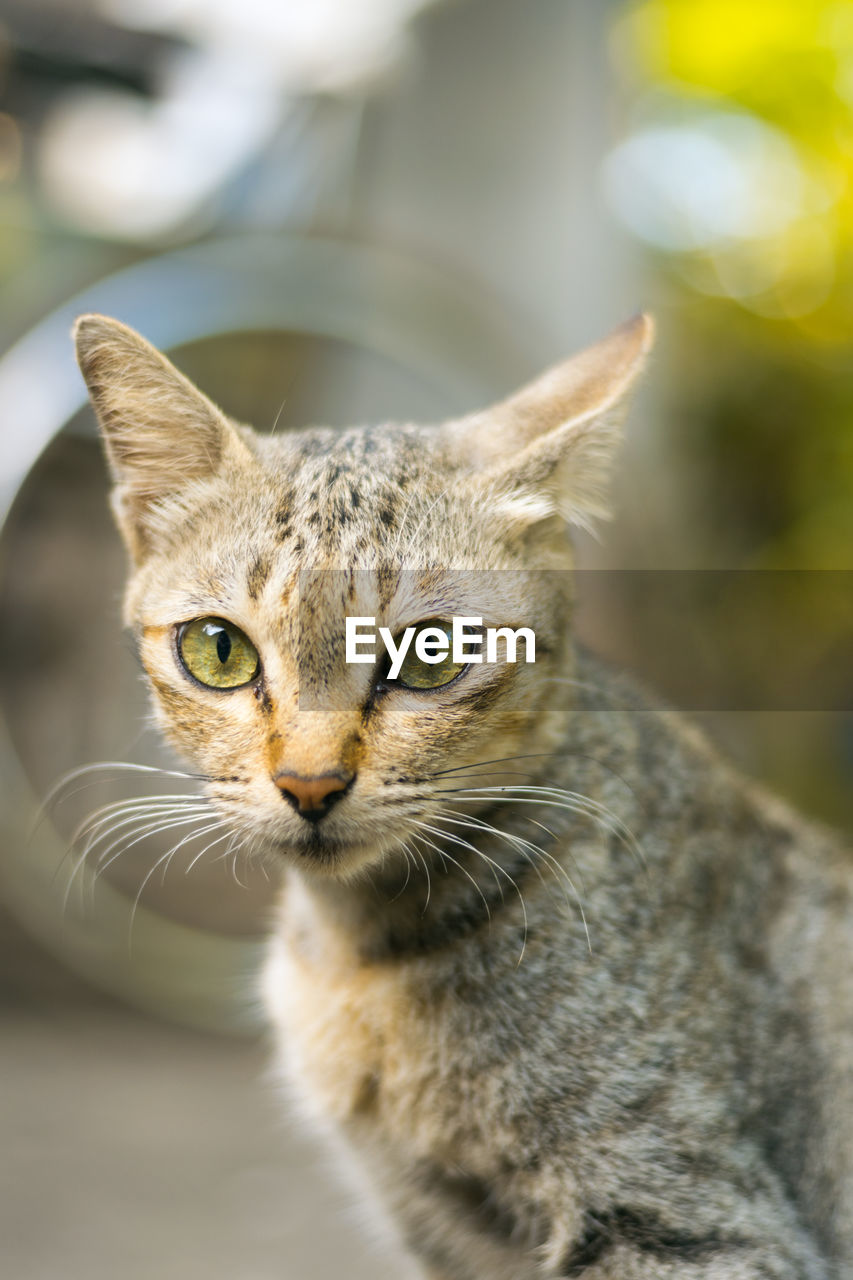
(326, 856)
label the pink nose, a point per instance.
(312, 798)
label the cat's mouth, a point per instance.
(336, 844)
(320, 852)
(319, 847)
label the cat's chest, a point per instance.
(359, 1043)
(341, 1032)
(376, 1051)
(372, 1057)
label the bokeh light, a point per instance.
(739, 163)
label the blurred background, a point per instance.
(347, 211)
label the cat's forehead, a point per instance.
(318, 498)
(343, 489)
(376, 457)
(355, 499)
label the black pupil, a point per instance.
(223, 647)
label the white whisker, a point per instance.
(404, 849)
(152, 829)
(442, 853)
(557, 798)
(530, 851)
(162, 804)
(55, 794)
(496, 867)
(425, 866)
(167, 857)
(157, 823)
(137, 825)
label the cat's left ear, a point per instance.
(548, 450)
(160, 432)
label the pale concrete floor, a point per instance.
(133, 1149)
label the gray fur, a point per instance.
(605, 1034)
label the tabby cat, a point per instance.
(574, 992)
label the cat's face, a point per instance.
(250, 552)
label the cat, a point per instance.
(573, 991)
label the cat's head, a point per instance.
(249, 551)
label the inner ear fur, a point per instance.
(548, 449)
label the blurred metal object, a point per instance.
(407, 313)
(171, 107)
(62, 44)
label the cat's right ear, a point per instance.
(160, 433)
(548, 450)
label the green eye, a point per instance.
(417, 674)
(217, 653)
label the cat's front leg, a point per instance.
(637, 1268)
(623, 1264)
(626, 1244)
(763, 1262)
